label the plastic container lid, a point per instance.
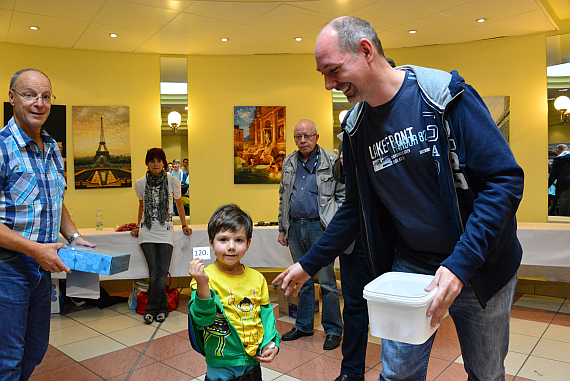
(400, 288)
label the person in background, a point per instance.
(560, 172)
(231, 321)
(169, 168)
(308, 199)
(32, 214)
(185, 166)
(182, 177)
(157, 192)
(432, 187)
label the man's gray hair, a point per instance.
(351, 30)
(562, 147)
(20, 72)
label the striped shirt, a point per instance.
(32, 190)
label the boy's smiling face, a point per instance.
(230, 247)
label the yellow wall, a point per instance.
(512, 66)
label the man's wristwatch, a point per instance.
(73, 236)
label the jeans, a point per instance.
(354, 275)
(25, 291)
(158, 257)
(302, 235)
(483, 336)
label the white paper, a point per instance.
(80, 284)
(201, 252)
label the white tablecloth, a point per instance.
(546, 250)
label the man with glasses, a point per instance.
(32, 213)
(309, 197)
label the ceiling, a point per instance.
(263, 27)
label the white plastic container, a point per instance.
(397, 306)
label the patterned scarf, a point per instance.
(160, 181)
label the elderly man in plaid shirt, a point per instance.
(32, 213)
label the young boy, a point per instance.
(231, 321)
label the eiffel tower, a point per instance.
(102, 149)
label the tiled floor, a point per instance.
(115, 344)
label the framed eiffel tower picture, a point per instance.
(101, 146)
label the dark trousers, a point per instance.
(254, 375)
(158, 256)
(354, 275)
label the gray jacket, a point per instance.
(331, 192)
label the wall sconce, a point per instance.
(174, 120)
(562, 104)
(342, 115)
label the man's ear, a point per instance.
(366, 48)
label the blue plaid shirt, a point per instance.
(31, 193)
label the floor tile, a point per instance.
(372, 375)
(454, 372)
(70, 335)
(269, 374)
(540, 302)
(53, 359)
(558, 333)
(121, 308)
(514, 362)
(540, 369)
(522, 343)
(318, 369)
(92, 314)
(290, 358)
(532, 314)
(165, 347)
(86, 349)
(112, 324)
(154, 372)
(526, 327)
(562, 318)
(436, 367)
(445, 349)
(175, 322)
(116, 363)
(565, 307)
(553, 350)
(61, 321)
(190, 362)
(75, 371)
(137, 335)
(373, 355)
(311, 343)
(286, 377)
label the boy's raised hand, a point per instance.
(196, 271)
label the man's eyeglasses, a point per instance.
(300, 137)
(33, 98)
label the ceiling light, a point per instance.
(298, 39)
(481, 20)
(224, 39)
(342, 114)
(113, 35)
(174, 119)
(412, 31)
(34, 27)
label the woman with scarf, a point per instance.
(157, 192)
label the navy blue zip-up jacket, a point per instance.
(481, 186)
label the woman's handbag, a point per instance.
(172, 298)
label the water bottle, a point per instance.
(99, 220)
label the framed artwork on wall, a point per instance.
(259, 144)
(101, 146)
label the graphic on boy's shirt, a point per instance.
(248, 327)
(220, 330)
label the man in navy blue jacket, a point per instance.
(432, 187)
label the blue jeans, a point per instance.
(158, 256)
(301, 237)
(483, 336)
(354, 275)
(25, 290)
